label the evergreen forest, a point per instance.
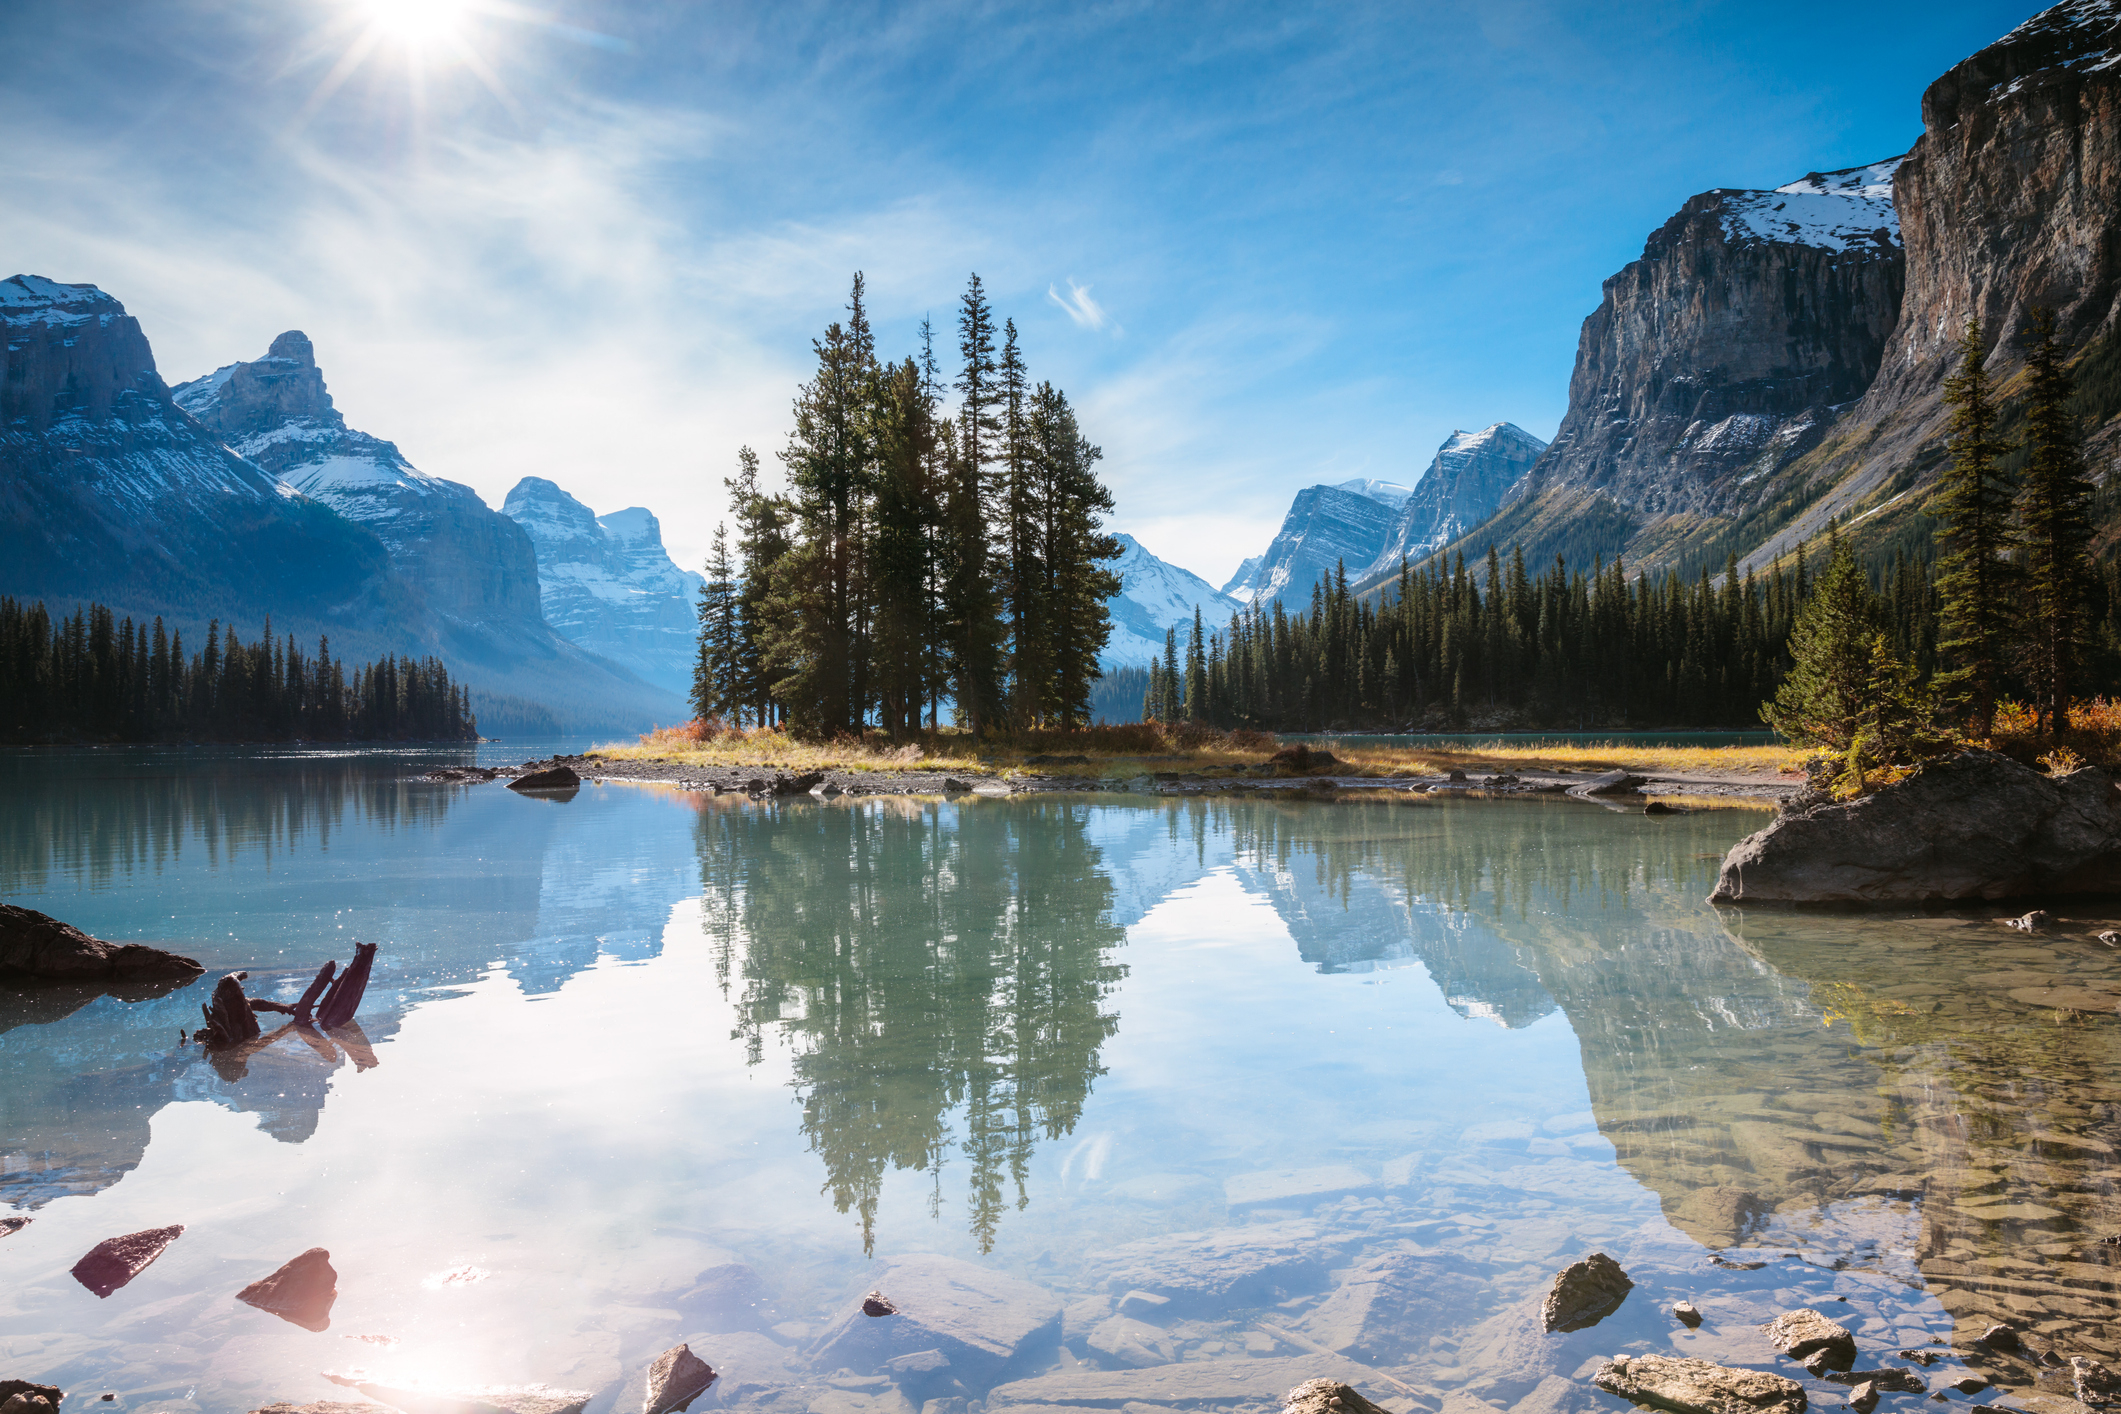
(95, 677)
(917, 562)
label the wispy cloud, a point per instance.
(1085, 311)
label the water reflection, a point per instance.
(917, 968)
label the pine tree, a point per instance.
(762, 542)
(901, 574)
(1975, 578)
(718, 670)
(2054, 523)
(1072, 503)
(1020, 511)
(969, 604)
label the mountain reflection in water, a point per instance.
(1419, 1052)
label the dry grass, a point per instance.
(1121, 751)
(1139, 748)
(2094, 734)
(1588, 756)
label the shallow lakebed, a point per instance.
(1212, 1094)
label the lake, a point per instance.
(1128, 1102)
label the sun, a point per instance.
(418, 25)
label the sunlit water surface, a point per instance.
(1401, 1060)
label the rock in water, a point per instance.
(300, 1292)
(1585, 1293)
(36, 945)
(229, 1019)
(416, 1398)
(30, 1393)
(115, 1261)
(878, 1304)
(1977, 826)
(1799, 1334)
(1326, 1397)
(676, 1379)
(1864, 1398)
(1698, 1386)
(982, 1320)
(1686, 1313)
(27, 1404)
(322, 1406)
(2096, 1385)
(10, 1226)
(2000, 1337)
(558, 778)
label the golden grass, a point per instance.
(1587, 756)
(1141, 748)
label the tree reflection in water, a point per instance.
(920, 960)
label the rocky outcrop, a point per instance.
(1326, 528)
(468, 560)
(1715, 360)
(608, 585)
(37, 945)
(1977, 826)
(1472, 474)
(2009, 199)
(1698, 1386)
(110, 490)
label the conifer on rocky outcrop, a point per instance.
(1975, 576)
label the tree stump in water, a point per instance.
(344, 998)
(315, 990)
(228, 1015)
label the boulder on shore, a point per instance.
(36, 945)
(558, 778)
(1698, 1386)
(1608, 783)
(1976, 826)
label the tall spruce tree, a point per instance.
(762, 541)
(1975, 579)
(969, 601)
(718, 666)
(2054, 525)
(1019, 512)
(901, 575)
(1074, 549)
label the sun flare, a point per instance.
(416, 24)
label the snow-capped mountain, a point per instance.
(109, 490)
(1156, 595)
(1326, 527)
(473, 570)
(472, 563)
(1389, 492)
(608, 584)
(1472, 474)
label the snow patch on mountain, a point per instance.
(1154, 596)
(1832, 210)
(1390, 492)
(1327, 528)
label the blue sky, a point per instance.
(1260, 246)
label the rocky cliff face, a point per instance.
(112, 491)
(1326, 527)
(2007, 201)
(607, 583)
(472, 563)
(1471, 475)
(1718, 358)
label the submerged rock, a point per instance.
(1255, 1265)
(115, 1261)
(1978, 826)
(1585, 1293)
(1326, 1397)
(1608, 783)
(419, 1398)
(981, 1320)
(38, 946)
(1893, 1379)
(1698, 1386)
(322, 1406)
(676, 1379)
(301, 1292)
(2034, 922)
(1387, 1307)
(1799, 1334)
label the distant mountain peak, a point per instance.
(1155, 595)
(1390, 493)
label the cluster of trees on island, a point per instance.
(916, 560)
(2013, 605)
(94, 676)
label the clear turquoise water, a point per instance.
(1527, 740)
(618, 1041)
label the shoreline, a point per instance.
(1732, 787)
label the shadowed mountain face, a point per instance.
(1472, 474)
(1327, 528)
(110, 490)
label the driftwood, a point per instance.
(232, 1018)
(340, 1002)
(315, 990)
(228, 1016)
